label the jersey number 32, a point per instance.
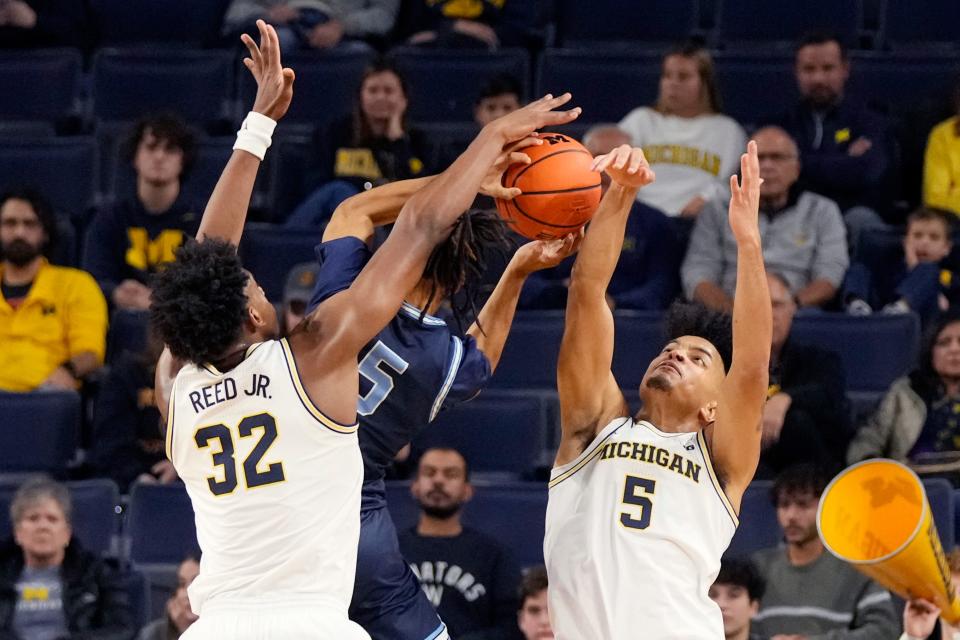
(253, 475)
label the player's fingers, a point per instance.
(734, 186)
(515, 157)
(509, 194)
(600, 163)
(636, 160)
(558, 101)
(529, 141)
(623, 156)
(289, 75)
(548, 118)
(252, 48)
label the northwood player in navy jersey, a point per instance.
(412, 370)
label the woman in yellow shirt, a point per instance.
(941, 164)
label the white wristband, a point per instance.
(255, 134)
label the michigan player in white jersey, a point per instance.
(263, 431)
(641, 508)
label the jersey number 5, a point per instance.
(252, 475)
(381, 380)
(635, 494)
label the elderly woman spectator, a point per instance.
(50, 588)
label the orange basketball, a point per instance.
(560, 192)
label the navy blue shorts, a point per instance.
(387, 599)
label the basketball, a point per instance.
(560, 192)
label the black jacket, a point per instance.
(94, 599)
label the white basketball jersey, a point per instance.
(635, 529)
(275, 484)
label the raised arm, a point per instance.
(735, 436)
(589, 395)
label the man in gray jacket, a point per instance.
(804, 239)
(810, 593)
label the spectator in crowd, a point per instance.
(475, 24)
(128, 241)
(534, 615)
(803, 235)
(805, 416)
(922, 282)
(920, 618)
(941, 163)
(373, 146)
(179, 615)
(44, 23)
(689, 143)
(127, 443)
(469, 577)
(314, 24)
(737, 591)
(810, 592)
(53, 320)
(918, 420)
(647, 273)
(846, 149)
(50, 588)
(297, 293)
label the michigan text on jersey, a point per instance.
(651, 454)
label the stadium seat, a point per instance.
(593, 78)
(40, 85)
(137, 21)
(652, 23)
(753, 87)
(127, 333)
(900, 84)
(403, 509)
(760, 23)
(159, 524)
(137, 589)
(496, 433)
(529, 359)
(23, 129)
(875, 350)
(444, 86)
(640, 337)
(269, 252)
(95, 521)
(327, 86)
(446, 141)
(920, 25)
(128, 83)
(288, 163)
(940, 496)
(41, 431)
(758, 528)
(64, 170)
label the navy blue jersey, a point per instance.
(412, 370)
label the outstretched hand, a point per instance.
(745, 197)
(626, 166)
(545, 254)
(524, 122)
(274, 82)
(492, 184)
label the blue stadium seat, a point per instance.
(613, 22)
(756, 23)
(900, 83)
(160, 524)
(327, 86)
(940, 496)
(269, 252)
(753, 87)
(444, 86)
(41, 431)
(593, 77)
(869, 366)
(63, 169)
(212, 157)
(95, 519)
(198, 85)
(529, 359)
(496, 433)
(39, 85)
(403, 509)
(758, 522)
(288, 165)
(127, 333)
(127, 21)
(23, 129)
(917, 25)
(137, 589)
(640, 337)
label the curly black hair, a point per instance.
(800, 479)
(741, 572)
(198, 304)
(459, 262)
(43, 210)
(694, 319)
(167, 128)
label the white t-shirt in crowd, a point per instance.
(691, 156)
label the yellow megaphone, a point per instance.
(875, 515)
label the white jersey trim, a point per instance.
(455, 361)
(312, 409)
(561, 473)
(168, 439)
(708, 463)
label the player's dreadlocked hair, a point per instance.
(694, 319)
(198, 304)
(461, 260)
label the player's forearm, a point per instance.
(362, 213)
(226, 210)
(752, 315)
(495, 319)
(603, 242)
